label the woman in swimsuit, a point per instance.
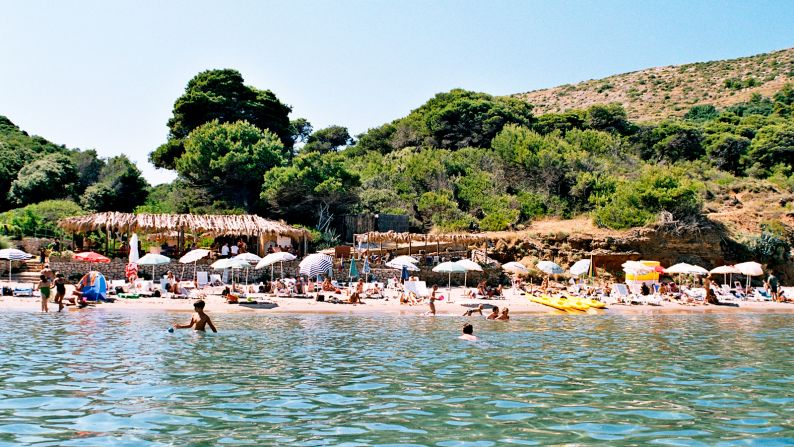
(60, 290)
(44, 287)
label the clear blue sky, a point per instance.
(105, 74)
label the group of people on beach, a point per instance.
(49, 280)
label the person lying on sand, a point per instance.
(199, 319)
(468, 333)
(328, 287)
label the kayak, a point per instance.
(556, 303)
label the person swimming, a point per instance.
(494, 313)
(199, 319)
(477, 310)
(468, 333)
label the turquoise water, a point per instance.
(107, 378)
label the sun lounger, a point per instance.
(202, 279)
(215, 280)
(23, 290)
(621, 293)
(419, 288)
(760, 294)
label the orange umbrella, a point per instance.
(90, 256)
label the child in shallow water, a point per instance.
(199, 319)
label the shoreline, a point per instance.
(518, 305)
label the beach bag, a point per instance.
(320, 298)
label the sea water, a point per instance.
(109, 378)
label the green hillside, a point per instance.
(661, 92)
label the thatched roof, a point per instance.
(217, 225)
(404, 238)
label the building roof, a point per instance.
(216, 225)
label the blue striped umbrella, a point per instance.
(12, 254)
(353, 269)
(316, 264)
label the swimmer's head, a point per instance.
(495, 309)
(468, 329)
(198, 305)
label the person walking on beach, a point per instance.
(44, 286)
(60, 289)
(432, 300)
(199, 319)
(773, 286)
(468, 333)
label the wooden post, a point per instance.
(409, 244)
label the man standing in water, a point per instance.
(199, 319)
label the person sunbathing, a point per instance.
(355, 297)
(544, 286)
(329, 287)
(481, 288)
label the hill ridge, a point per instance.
(658, 92)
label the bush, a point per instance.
(636, 203)
(40, 218)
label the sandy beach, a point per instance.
(518, 305)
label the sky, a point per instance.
(104, 75)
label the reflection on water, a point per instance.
(119, 379)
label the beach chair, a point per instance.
(202, 279)
(226, 276)
(23, 290)
(621, 293)
(215, 280)
(761, 294)
(164, 285)
(419, 288)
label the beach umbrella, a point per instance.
(682, 268)
(248, 257)
(192, 256)
(405, 259)
(580, 267)
(133, 257)
(271, 259)
(698, 270)
(449, 268)
(550, 268)
(154, 259)
(515, 267)
(316, 264)
(365, 269)
(12, 254)
(749, 269)
(402, 265)
(353, 273)
(725, 270)
(635, 267)
(90, 256)
(470, 266)
(230, 263)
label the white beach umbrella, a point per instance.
(635, 267)
(549, 268)
(515, 267)
(194, 255)
(133, 257)
(230, 263)
(405, 259)
(153, 259)
(580, 267)
(725, 270)
(470, 266)
(698, 270)
(269, 260)
(750, 269)
(12, 254)
(316, 264)
(682, 268)
(449, 268)
(399, 265)
(248, 257)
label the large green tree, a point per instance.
(221, 95)
(229, 161)
(50, 177)
(120, 187)
(314, 185)
(326, 140)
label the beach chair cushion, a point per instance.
(202, 278)
(23, 290)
